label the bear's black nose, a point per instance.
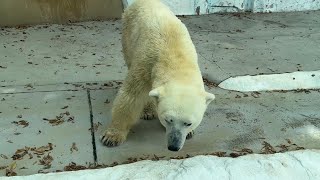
(173, 148)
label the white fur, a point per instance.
(162, 64)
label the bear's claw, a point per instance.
(190, 135)
(112, 138)
(147, 116)
(148, 112)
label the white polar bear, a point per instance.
(163, 77)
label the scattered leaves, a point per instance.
(208, 83)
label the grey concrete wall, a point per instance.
(25, 12)
(198, 7)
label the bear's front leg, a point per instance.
(126, 110)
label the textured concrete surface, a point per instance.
(228, 45)
(53, 63)
(29, 120)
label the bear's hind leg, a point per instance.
(149, 112)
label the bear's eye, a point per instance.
(187, 124)
(168, 121)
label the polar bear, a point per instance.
(163, 79)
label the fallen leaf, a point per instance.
(65, 107)
(46, 161)
(4, 156)
(219, 154)
(10, 170)
(74, 167)
(23, 123)
(3, 167)
(95, 126)
(267, 148)
(54, 122)
(41, 150)
(73, 147)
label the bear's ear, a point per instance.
(209, 98)
(156, 92)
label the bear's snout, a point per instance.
(175, 140)
(173, 148)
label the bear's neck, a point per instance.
(178, 71)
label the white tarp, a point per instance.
(286, 81)
(295, 165)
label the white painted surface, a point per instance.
(285, 5)
(192, 7)
(286, 81)
(296, 165)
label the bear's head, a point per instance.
(180, 110)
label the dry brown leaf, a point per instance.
(74, 167)
(3, 167)
(267, 148)
(54, 122)
(95, 126)
(20, 153)
(4, 156)
(71, 119)
(10, 171)
(30, 156)
(23, 123)
(46, 161)
(73, 147)
(41, 150)
(234, 155)
(219, 154)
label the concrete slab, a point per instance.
(23, 127)
(234, 122)
(61, 53)
(243, 44)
